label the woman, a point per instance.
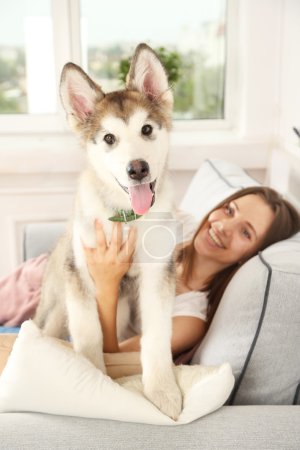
(245, 223)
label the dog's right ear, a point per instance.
(148, 76)
(79, 94)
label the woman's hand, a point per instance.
(109, 262)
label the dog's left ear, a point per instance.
(148, 76)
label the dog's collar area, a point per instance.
(123, 215)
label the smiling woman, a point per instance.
(233, 231)
(239, 227)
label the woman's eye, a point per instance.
(110, 139)
(147, 130)
(229, 210)
(246, 233)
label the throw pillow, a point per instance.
(215, 180)
(256, 328)
(41, 375)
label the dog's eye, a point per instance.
(147, 130)
(110, 139)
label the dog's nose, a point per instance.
(137, 169)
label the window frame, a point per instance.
(67, 47)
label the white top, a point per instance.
(192, 303)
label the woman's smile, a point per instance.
(211, 240)
(214, 239)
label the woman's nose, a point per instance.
(220, 227)
(224, 226)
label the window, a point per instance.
(38, 37)
(27, 76)
(193, 38)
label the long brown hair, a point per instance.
(286, 222)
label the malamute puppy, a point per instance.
(125, 135)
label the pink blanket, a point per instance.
(20, 292)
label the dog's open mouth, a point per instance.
(142, 196)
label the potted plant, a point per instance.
(170, 59)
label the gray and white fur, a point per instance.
(68, 305)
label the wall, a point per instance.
(289, 106)
(284, 167)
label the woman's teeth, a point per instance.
(215, 238)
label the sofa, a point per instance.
(261, 343)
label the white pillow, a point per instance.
(213, 182)
(43, 376)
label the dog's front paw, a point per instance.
(165, 395)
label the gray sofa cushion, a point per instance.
(257, 328)
(229, 428)
(41, 238)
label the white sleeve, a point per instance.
(192, 304)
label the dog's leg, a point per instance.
(157, 291)
(55, 323)
(50, 315)
(84, 325)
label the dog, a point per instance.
(125, 134)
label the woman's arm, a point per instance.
(132, 344)
(107, 301)
(186, 332)
(107, 264)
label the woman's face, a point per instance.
(234, 232)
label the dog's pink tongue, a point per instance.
(140, 197)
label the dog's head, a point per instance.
(125, 132)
